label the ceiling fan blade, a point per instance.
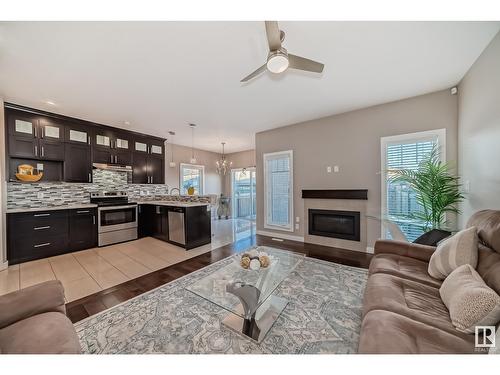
(273, 35)
(254, 74)
(297, 62)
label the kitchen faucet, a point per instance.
(178, 191)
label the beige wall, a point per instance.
(352, 141)
(479, 131)
(182, 154)
(3, 191)
(242, 159)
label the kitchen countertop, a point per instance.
(51, 208)
(173, 203)
(91, 205)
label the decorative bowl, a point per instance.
(29, 177)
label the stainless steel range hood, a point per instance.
(112, 167)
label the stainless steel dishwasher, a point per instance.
(176, 231)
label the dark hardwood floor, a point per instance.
(95, 303)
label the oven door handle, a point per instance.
(116, 207)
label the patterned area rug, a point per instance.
(323, 316)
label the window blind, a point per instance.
(278, 181)
(401, 198)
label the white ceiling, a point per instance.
(160, 76)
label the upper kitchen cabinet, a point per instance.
(150, 146)
(67, 147)
(112, 147)
(34, 137)
(51, 141)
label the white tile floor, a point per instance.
(86, 272)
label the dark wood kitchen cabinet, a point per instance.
(147, 169)
(77, 164)
(190, 226)
(35, 235)
(42, 234)
(82, 229)
(67, 147)
(34, 137)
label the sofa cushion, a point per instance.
(402, 266)
(487, 223)
(47, 333)
(453, 252)
(488, 266)
(384, 332)
(406, 297)
(470, 301)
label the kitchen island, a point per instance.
(185, 224)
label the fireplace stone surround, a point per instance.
(353, 200)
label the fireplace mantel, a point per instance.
(361, 194)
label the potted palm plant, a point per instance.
(437, 192)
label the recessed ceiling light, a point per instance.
(50, 102)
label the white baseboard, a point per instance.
(281, 235)
(4, 265)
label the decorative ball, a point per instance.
(253, 254)
(254, 264)
(262, 253)
(264, 261)
(245, 255)
(245, 262)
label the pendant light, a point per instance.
(172, 162)
(223, 164)
(193, 159)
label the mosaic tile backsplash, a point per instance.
(50, 194)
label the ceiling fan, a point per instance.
(278, 59)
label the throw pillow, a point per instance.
(453, 252)
(469, 300)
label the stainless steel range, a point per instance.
(116, 219)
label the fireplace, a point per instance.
(337, 224)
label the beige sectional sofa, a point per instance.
(33, 321)
(402, 309)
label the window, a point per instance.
(278, 190)
(192, 176)
(398, 199)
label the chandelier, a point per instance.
(223, 164)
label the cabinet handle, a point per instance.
(88, 139)
(43, 132)
(40, 215)
(152, 179)
(43, 153)
(83, 212)
(93, 219)
(35, 132)
(42, 244)
(40, 228)
(36, 150)
(90, 177)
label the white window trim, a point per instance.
(234, 170)
(410, 137)
(202, 167)
(287, 228)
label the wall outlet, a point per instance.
(39, 166)
(336, 169)
(329, 169)
(39, 195)
(297, 219)
(297, 226)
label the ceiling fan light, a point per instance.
(277, 63)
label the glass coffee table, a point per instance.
(247, 294)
